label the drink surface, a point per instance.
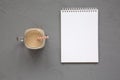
(31, 39)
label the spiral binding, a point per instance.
(79, 10)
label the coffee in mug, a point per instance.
(34, 38)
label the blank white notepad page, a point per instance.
(79, 35)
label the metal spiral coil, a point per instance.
(79, 10)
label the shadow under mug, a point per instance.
(39, 30)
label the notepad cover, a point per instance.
(79, 35)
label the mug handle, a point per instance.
(47, 37)
(44, 37)
(21, 39)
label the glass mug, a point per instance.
(34, 38)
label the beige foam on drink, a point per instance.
(31, 38)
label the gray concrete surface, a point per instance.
(18, 63)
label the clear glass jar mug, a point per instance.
(34, 38)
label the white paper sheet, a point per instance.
(79, 35)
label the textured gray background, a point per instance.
(18, 63)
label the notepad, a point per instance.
(79, 35)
